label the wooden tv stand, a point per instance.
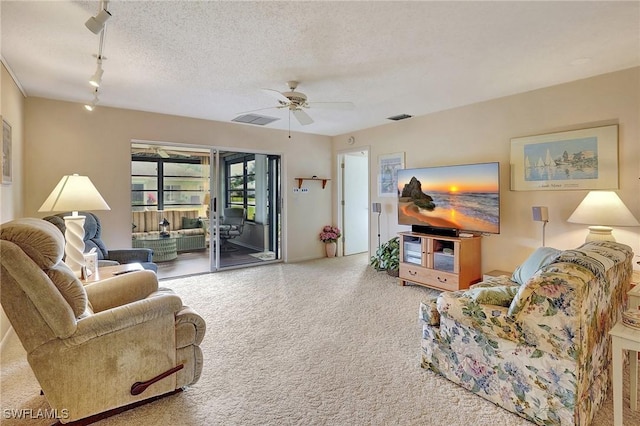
(443, 263)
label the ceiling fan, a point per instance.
(296, 102)
(158, 151)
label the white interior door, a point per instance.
(355, 180)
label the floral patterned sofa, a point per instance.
(539, 348)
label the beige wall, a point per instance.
(482, 133)
(11, 110)
(63, 138)
(97, 144)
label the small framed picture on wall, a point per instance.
(388, 166)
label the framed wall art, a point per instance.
(574, 160)
(6, 153)
(388, 166)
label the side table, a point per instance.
(164, 248)
(112, 271)
(624, 338)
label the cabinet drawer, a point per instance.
(437, 279)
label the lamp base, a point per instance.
(74, 246)
(600, 233)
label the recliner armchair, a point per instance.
(94, 348)
(93, 239)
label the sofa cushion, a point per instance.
(497, 295)
(189, 223)
(541, 257)
(149, 221)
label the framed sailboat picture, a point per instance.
(573, 160)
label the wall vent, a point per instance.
(258, 120)
(399, 117)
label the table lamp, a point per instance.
(74, 193)
(601, 210)
(164, 225)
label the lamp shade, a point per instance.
(603, 208)
(74, 193)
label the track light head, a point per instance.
(96, 79)
(92, 105)
(95, 24)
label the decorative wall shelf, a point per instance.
(302, 179)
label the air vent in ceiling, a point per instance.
(399, 117)
(258, 120)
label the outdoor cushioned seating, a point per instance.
(98, 347)
(184, 225)
(231, 226)
(539, 349)
(93, 240)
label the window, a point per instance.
(240, 177)
(164, 183)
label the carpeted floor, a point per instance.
(325, 342)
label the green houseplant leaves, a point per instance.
(387, 257)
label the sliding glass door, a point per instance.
(201, 209)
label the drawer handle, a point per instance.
(442, 280)
(413, 273)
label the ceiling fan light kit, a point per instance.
(296, 102)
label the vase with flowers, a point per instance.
(329, 236)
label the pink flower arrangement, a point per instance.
(330, 234)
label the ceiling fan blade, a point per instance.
(277, 95)
(331, 105)
(302, 117)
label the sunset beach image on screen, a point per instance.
(465, 197)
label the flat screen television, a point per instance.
(461, 198)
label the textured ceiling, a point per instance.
(209, 60)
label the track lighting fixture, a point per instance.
(95, 24)
(94, 102)
(96, 79)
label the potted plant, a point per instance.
(387, 257)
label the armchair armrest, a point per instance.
(121, 290)
(122, 317)
(131, 255)
(548, 309)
